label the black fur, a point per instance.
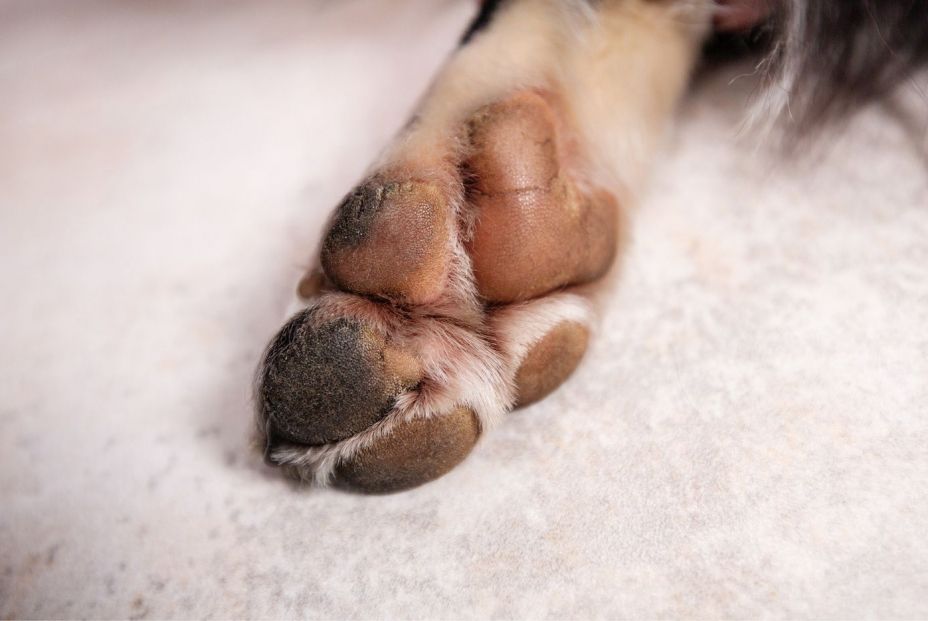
(834, 56)
(831, 56)
(487, 10)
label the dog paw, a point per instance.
(444, 300)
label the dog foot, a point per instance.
(440, 305)
(453, 282)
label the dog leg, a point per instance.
(455, 279)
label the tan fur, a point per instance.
(611, 79)
(623, 78)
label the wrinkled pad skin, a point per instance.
(536, 231)
(529, 229)
(390, 239)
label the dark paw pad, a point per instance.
(550, 361)
(390, 239)
(413, 453)
(325, 381)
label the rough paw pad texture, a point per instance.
(535, 230)
(390, 239)
(324, 383)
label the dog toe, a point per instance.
(413, 452)
(535, 229)
(325, 380)
(390, 239)
(550, 362)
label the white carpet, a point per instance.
(747, 439)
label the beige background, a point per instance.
(748, 437)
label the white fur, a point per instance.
(520, 326)
(460, 369)
(620, 69)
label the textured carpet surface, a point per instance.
(747, 438)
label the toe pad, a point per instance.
(414, 452)
(550, 361)
(324, 382)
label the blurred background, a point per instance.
(746, 438)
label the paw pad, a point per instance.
(390, 239)
(439, 306)
(324, 381)
(414, 451)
